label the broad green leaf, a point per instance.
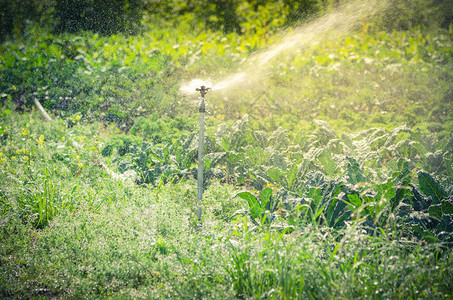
(355, 174)
(261, 138)
(419, 202)
(435, 211)
(430, 187)
(316, 195)
(328, 163)
(276, 175)
(292, 175)
(446, 224)
(390, 192)
(215, 158)
(399, 195)
(330, 208)
(225, 143)
(256, 156)
(254, 205)
(447, 208)
(276, 159)
(336, 213)
(266, 198)
(355, 200)
(315, 179)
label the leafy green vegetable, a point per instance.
(430, 187)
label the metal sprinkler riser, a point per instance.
(202, 109)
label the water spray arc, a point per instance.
(202, 109)
(254, 70)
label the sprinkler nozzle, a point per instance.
(203, 90)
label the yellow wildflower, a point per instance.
(25, 131)
(78, 117)
(40, 141)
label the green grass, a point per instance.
(110, 238)
(147, 247)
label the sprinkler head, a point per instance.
(203, 90)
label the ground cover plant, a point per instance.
(331, 178)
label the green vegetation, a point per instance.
(332, 177)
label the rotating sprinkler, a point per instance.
(202, 109)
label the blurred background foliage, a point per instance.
(16, 15)
(117, 60)
(103, 16)
(113, 16)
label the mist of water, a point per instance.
(332, 25)
(190, 88)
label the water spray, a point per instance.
(258, 67)
(202, 109)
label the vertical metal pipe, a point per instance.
(200, 159)
(202, 109)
